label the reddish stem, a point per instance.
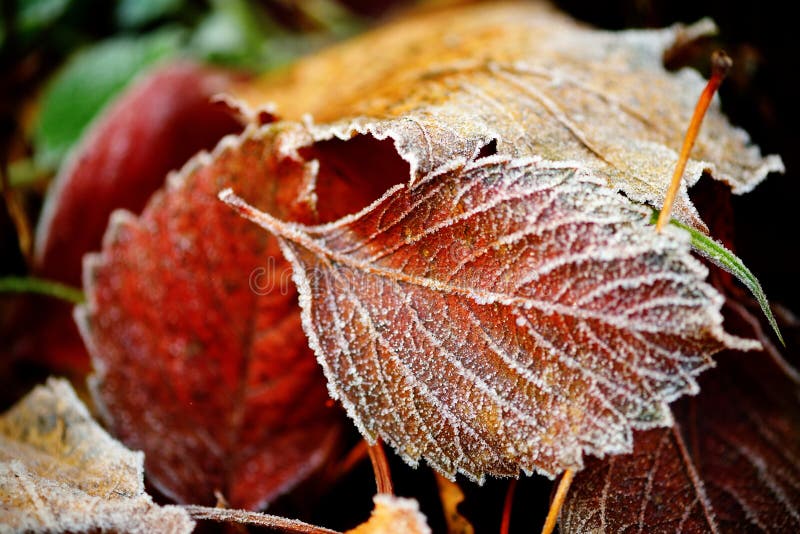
(383, 477)
(505, 525)
(244, 517)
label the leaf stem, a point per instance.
(17, 213)
(383, 477)
(720, 64)
(244, 517)
(558, 501)
(29, 284)
(505, 525)
(358, 453)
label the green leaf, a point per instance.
(29, 284)
(234, 33)
(34, 15)
(726, 260)
(87, 83)
(138, 13)
(239, 33)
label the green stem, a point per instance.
(29, 284)
(24, 173)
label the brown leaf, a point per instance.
(503, 314)
(195, 336)
(731, 463)
(392, 515)
(59, 471)
(523, 80)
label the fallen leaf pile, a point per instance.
(568, 320)
(457, 239)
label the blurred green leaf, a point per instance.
(235, 33)
(239, 33)
(333, 16)
(34, 15)
(88, 81)
(138, 13)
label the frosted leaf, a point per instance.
(526, 81)
(59, 471)
(393, 514)
(503, 314)
(196, 341)
(731, 463)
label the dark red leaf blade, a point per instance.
(730, 464)
(503, 314)
(153, 127)
(195, 336)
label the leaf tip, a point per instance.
(236, 202)
(226, 195)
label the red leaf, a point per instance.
(152, 128)
(731, 463)
(503, 314)
(196, 338)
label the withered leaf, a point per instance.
(731, 463)
(523, 80)
(393, 514)
(503, 314)
(59, 471)
(195, 337)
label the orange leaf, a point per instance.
(393, 514)
(520, 79)
(451, 496)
